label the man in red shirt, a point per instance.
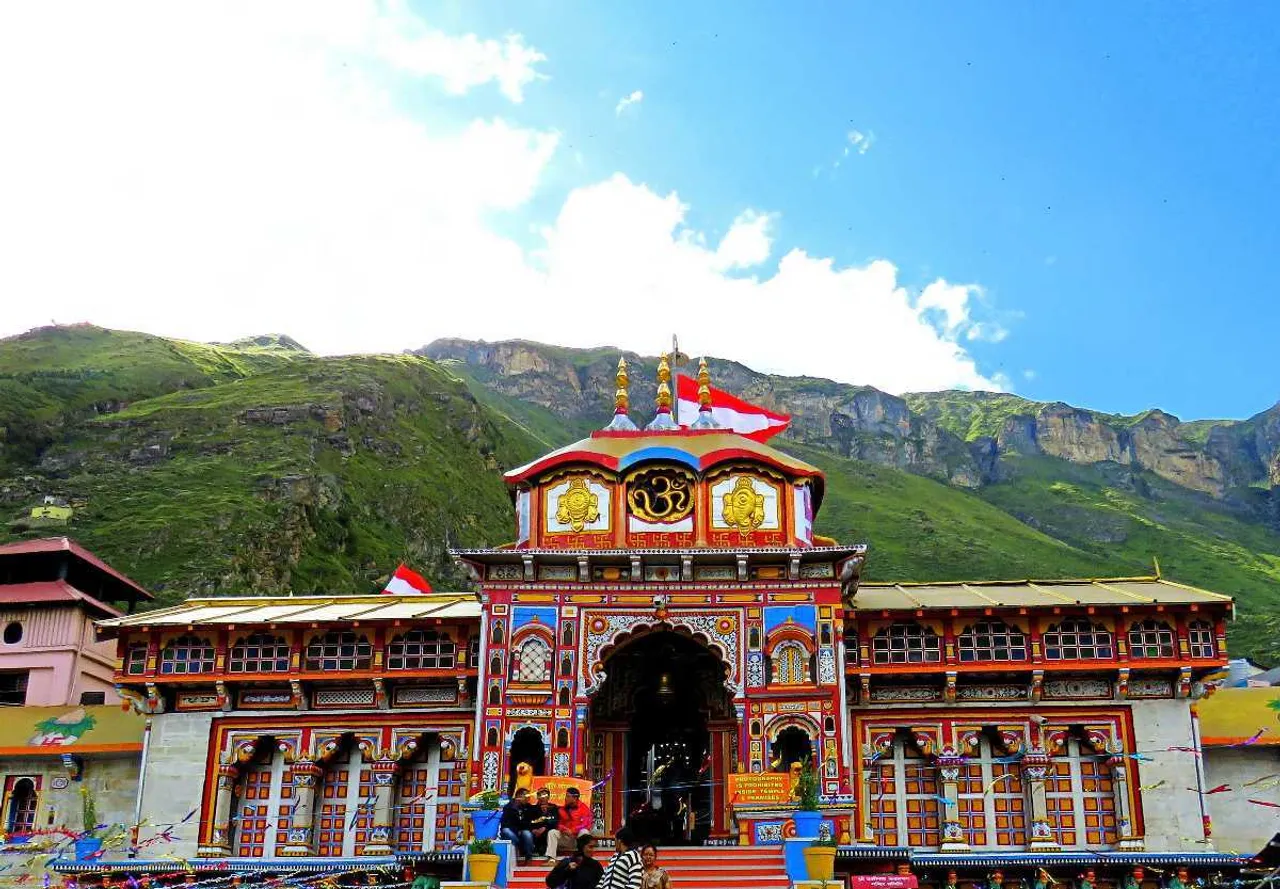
(575, 821)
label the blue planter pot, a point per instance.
(484, 822)
(807, 824)
(87, 847)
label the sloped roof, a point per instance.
(45, 592)
(303, 609)
(1237, 715)
(52, 731)
(66, 544)
(880, 596)
(695, 448)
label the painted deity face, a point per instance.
(649, 856)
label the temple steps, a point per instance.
(694, 867)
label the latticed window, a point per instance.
(339, 650)
(1080, 797)
(421, 650)
(904, 799)
(1151, 638)
(1078, 639)
(531, 661)
(790, 663)
(185, 655)
(992, 640)
(23, 798)
(135, 659)
(991, 799)
(1200, 635)
(260, 653)
(906, 643)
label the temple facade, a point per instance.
(668, 631)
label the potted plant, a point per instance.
(807, 816)
(482, 862)
(820, 858)
(88, 844)
(484, 814)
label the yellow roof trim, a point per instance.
(981, 595)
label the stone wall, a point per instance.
(1239, 826)
(174, 782)
(1171, 813)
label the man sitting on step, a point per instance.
(575, 821)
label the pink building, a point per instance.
(51, 592)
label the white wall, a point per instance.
(174, 781)
(1238, 825)
(1171, 812)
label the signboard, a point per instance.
(761, 788)
(883, 881)
(558, 785)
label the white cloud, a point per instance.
(210, 172)
(636, 97)
(859, 141)
(1028, 375)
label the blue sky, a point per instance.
(1072, 202)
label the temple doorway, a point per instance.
(665, 722)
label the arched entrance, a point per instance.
(664, 722)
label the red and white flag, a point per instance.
(406, 581)
(729, 411)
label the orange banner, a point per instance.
(558, 786)
(760, 787)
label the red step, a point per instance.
(693, 867)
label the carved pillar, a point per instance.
(1124, 811)
(306, 777)
(1035, 769)
(385, 771)
(220, 831)
(954, 838)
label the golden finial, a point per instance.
(663, 420)
(621, 401)
(620, 396)
(704, 385)
(664, 385)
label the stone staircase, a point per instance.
(694, 867)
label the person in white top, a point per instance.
(625, 870)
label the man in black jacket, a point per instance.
(580, 870)
(515, 824)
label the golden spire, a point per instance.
(621, 401)
(620, 396)
(663, 420)
(704, 385)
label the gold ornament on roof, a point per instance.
(664, 385)
(620, 399)
(577, 507)
(742, 507)
(704, 385)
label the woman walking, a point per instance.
(579, 871)
(653, 876)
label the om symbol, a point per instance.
(660, 496)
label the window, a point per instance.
(23, 800)
(1151, 638)
(260, 653)
(566, 636)
(13, 688)
(991, 799)
(904, 799)
(263, 812)
(566, 665)
(428, 813)
(1080, 797)
(1077, 639)
(12, 633)
(339, 650)
(135, 659)
(1200, 634)
(992, 640)
(531, 661)
(345, 809)
(421, 650)
(473, 652)
(790, 663)
(186, 655)
(92, 698)
(906, 643)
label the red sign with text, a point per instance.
(883, 881)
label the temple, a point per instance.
(668, 631)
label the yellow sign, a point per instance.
(558, 785)
(761, 787)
